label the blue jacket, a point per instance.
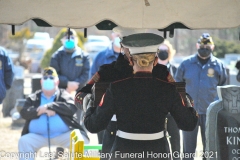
(71, 67)
(202, 81)
(6, 73)
(104, 57)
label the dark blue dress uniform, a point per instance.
(141, 104)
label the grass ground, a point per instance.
(8, 137)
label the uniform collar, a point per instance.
(77, 52)
(168, 65)
(143, 74)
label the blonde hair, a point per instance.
(144, 60)
(172, 51)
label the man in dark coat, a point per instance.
(6, 73)
(141, 103)
(49, 115)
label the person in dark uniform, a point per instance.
(111, 72)
(141, 103)
(165, 55)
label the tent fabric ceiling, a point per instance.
(202, 14)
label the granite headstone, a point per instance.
(223, 125)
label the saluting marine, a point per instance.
(140, 103)
(117, 70)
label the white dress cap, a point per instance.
(123, 32)
(142, 42)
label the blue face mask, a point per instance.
(48, 84)
(116, 42)
(69, 44)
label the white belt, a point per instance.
(139, 136)
(114, 118)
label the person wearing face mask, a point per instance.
(49, 115)
(106, 56)
(202, 73)
(71, 63)
(165, 54)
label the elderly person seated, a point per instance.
(49, 115)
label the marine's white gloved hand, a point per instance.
(87, 102)
(189, 99)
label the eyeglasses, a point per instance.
(50, 77)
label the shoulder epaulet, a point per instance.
(95, 78)
(170, 78)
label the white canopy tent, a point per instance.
(159, 14)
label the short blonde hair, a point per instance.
(144, 60)
(171, 51)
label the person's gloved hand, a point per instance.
(189, 102)
(78, 101)
(90, 104)
(87, 102)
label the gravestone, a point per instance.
(16, 117)
(223, 125)
(15, 92)
(36, 85)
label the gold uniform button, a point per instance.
(111, 133)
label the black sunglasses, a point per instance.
(46, 77)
